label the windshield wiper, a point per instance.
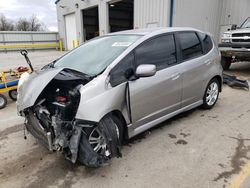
(50, 65)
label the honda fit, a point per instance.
(111, 88)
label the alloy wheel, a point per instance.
(212, 93)
(98, 141)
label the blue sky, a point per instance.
(45, 10)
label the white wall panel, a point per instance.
(235, 11)
(151, 13)
(200, 14)
(207, 15)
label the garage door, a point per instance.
(70, 21)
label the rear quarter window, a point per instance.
(190, 45)
(207, 42)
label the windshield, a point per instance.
(246, 24)
(94, 56)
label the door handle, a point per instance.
(175, 76)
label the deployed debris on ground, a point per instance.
(233, 81)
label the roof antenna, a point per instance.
(25, 54)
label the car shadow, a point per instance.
(166, 123)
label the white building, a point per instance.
(81, 20)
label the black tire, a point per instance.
(207, 104)
(3, 101)
(13, 94)
(108, 127)
(226, 62)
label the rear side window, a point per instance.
(190, 45)
(159, 51)
(207, 42)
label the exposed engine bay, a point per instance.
(52, 121)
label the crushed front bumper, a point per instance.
(67, 143)
(74, 144)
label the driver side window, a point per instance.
(122, 71)
(160, 51)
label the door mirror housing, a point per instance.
(145, 70)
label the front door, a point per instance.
(156, 96)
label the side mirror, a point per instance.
(234, 27)
(145, 70)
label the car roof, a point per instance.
(152, 31)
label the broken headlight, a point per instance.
(24, 77)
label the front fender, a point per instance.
(95, 108)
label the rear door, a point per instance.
(156, 96)
(194, 67)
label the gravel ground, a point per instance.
(196, 149)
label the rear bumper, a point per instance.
(239, 50)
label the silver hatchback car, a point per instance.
(86, 103)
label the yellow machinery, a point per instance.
(8, 83)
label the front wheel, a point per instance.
(211, 94)
(98, 144)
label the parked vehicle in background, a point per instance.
(114, 87)
(235, 45)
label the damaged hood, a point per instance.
(30, 90)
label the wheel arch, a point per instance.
(219, 78)
(119, 115)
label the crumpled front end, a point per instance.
(30, 88)
(49, 101)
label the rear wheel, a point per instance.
(211, 94)
(13, 94)
(3, 101)
(100, 143)
(226, 62)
